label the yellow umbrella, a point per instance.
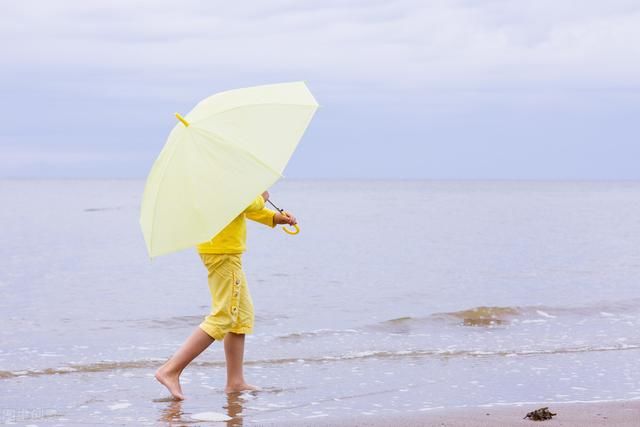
(231, 147)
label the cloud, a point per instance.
(396, 44)
(89, 88)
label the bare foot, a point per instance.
(171, 381)
(236, 388)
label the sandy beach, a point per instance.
(584, 414)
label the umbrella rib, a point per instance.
(198, 208)
(155, 199)
(216, 138)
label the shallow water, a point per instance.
(395, 297)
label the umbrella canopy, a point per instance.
(231, 147)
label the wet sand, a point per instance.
(587, 414)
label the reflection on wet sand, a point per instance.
(234, 409)
(172, 414)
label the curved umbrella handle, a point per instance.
(295, 230)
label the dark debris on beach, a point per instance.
(540, 414)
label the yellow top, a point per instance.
(232, 238)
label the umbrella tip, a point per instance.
(184, 122)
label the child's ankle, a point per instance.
(236, 383)
(170, 370)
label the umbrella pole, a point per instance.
(279, 210)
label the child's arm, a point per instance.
(257, 212)
(271, 218)
(264, 216)
(256, 205)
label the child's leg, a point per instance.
(234, 353)
(169, 373)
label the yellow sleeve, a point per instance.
(265, 216)
(256, 205)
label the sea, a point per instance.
(396, 297)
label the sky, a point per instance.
(409, 89)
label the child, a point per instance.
(231, 314)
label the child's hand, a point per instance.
(285, 218)
(265, 196)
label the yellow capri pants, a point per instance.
(231, 304)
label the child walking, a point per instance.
(232, 315)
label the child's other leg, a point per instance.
(234, 353)
(169, 373)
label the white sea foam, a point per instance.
(210, 416)
(545, 314)
(120, 405)
(317, 415)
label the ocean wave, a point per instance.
(504, 315)
(152, 363)
(294, 336)
(480, 316)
